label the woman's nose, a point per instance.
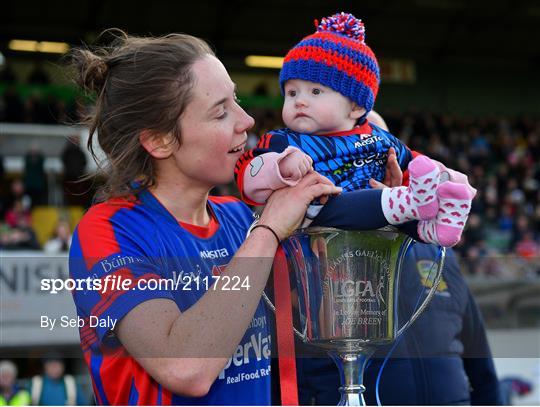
(245, 122)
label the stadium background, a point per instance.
(459, 83)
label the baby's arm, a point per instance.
(270, 171)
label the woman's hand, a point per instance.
(393, 176)
(286, 207)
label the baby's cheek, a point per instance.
(286, 116)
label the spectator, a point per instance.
(17, 233)
(7, 75)
(453, 366)
(506, 219)
(512, 387)
(474, 233)
(10, 393)
(37, 110)
(2, 170)
(76, 189)
(74, 159)
(35, 179)
(17, 214)
(54, 387)
(61, 241)
(38, 76)
(21, 237)
(527, 247)
(13, 106)
(16, 192)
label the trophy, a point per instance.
(347, 289)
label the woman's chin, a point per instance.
(223, 179)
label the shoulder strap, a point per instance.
(71, 390)
(37, 387)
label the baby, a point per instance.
(330, 81)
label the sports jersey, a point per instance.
(349, 159)
(139, 240)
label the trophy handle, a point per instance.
(430, 295)
(301, 335)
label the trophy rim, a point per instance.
(326, 229)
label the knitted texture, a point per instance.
(424, 181)
(336, 56)
(419, 200)
(454, 207)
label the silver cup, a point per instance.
(347, 288)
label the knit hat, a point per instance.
(336, 56)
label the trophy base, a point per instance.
(351, 370)
(352, 396)
(342, 345)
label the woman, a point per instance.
(170, 125)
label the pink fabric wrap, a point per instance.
(262, 175)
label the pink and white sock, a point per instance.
(454, 206)
(418, 201)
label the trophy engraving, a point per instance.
(347, 289)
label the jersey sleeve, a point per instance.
(406, 170)
(272, 142)
(477, 358)
(113, 273)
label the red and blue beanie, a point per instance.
(336, 56)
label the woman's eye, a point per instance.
(223, 115)
(291, 93)
(236, 99)
(316, 91)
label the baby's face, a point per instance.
(312, 108)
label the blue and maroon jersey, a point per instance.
(139, 241)
(349, 159)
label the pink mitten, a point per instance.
(263, 176)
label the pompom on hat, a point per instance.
(336, 56)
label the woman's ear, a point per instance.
(356, 111)
(158, 145)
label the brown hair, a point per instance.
(140, 83)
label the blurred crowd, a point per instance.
(499, 154)
(40, 105)
(22, 194)
(52, 386)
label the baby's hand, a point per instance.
(295, 165)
